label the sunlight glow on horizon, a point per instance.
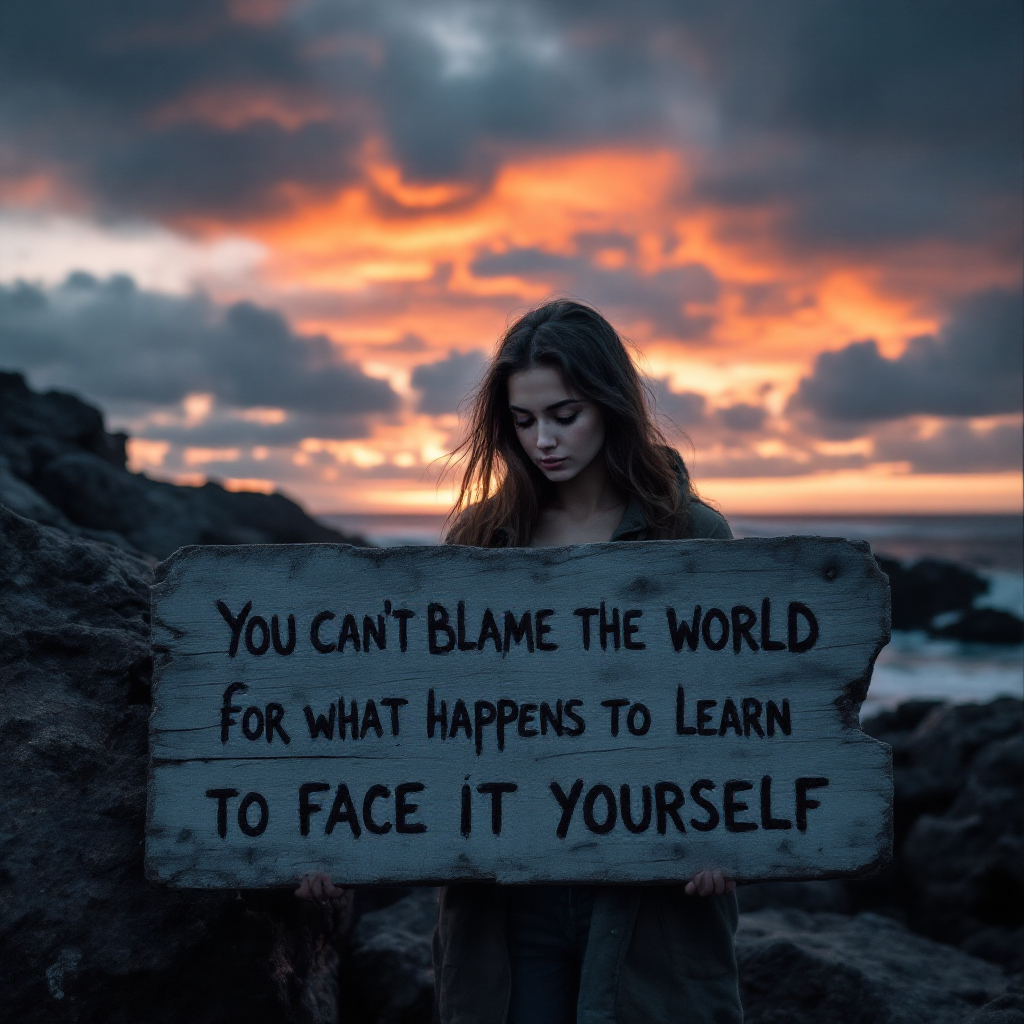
(728, 314)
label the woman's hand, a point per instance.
(709, 883)
(317, 885)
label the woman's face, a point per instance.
(560, 433)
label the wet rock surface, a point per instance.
(60, 467)
(797, 966)
(957, 874)
(1007, 1008)
(927, 593)
(929, 588)
(802, 968)
(82, 936)
(983, 626)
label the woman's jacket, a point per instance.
(654, 955)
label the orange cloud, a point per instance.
(386, 259)
(352, 244)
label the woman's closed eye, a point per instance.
(565, 421)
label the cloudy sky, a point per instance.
(276, 240)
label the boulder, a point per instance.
(36, 428)
(1005, 1009)
(934, 746)
(59, 466)
(964, 868)
(83, 937)
(958, 868)
(388, 975)
(803, 968)
(957, 873)
(984, 626)
(24, 499)
(928, 588)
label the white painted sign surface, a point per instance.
(601, 713)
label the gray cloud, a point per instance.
(100, 94)
(974, 367)
(956, 448)
(742, 417)
(682, 410)
(861, 123)
(661, 298)
(445, 384)
(134, 348)
(870, 122)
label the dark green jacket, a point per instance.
(654, 955)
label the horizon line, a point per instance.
(924, 514)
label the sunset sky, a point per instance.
(275, 241)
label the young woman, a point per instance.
(562, 449)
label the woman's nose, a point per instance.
(545, 437)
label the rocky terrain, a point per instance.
(82, 936)
(937, 937)
(937, 596)
(60, 467)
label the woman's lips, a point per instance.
(552, 463)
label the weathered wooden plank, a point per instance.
(447, 697)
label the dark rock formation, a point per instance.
(929, 588)
(957, 873)
(984, 626)
(60, 467)
(802, 968)
(1007, 1008)
(963, 870)
(935, 747)
(388, 976)
(35, 428)
(796, 967)
(82, 936)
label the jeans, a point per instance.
(548, 927)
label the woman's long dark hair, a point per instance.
(502, 491)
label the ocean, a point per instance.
(913, 666)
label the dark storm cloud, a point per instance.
(101, 93)
(106, 94)
(859, 122)
(116, 342)
(661, 297)
(742, 417)
(974, 367)
(677, 410)
(956, 448)
(197, 169)
(447, 383)
(867, 122)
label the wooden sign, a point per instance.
(602, 713)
